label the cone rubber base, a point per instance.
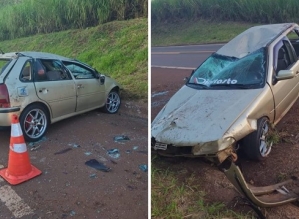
(14, 180)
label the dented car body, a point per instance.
(233, 99)
(43, 88)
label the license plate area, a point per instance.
(160, 146)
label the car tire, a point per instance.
(113, 102)
(255, 145)
(34, 122)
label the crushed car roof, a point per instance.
(37, 55)
(253, 39)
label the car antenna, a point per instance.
(1, 51)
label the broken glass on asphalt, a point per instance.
(121, 138)
(114, 153)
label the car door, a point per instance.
(90, 90)
(285, 91)
(55, 86)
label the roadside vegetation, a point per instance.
(177, 197)
(21, 18)
(253, 11)
(176, 22)
(118, 49)
(195, 32)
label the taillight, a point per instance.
(4, 97)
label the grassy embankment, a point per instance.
(108, 34)
(118, 49)
(176, 22)
(200, 21)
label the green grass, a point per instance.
(118, 49)
(202, 31)
(253, 11)
(174, 196)
(29, 17)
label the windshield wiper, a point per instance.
(198, 85)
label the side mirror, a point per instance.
(102, 79)
(186, 79)
(285, 74)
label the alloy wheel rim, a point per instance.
(113, 102)
(35, 123)
(265, 146)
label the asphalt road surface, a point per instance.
(184, 57)
(67, 187)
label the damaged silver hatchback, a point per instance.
(233, 100)
(43, 88)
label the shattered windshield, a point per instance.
(231, 72)
(3, 64)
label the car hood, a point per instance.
(193, 116)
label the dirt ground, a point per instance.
(67, 187)
(281, 164)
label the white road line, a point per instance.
(173, 67)
(14, 202)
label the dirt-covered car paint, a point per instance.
(223, 111)
(232, 101)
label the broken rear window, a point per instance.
(230, 72)
(3, 64)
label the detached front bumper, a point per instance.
(5, 115)
(267, 196)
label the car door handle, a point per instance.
(43, 90)
(79, 86)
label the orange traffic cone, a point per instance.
(19, 168)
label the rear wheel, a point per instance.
(112, 103)
(34, 122)
(257, 145)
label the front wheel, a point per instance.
(113, 101)
(257, 145)
(34, 122)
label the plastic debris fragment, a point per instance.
(114, 153)
(135, 148)
(63, 151)
(93, 176)
(35, 147)
(97, 165)
(87, 153)
(121, 138)
(74, 145)
(72, 213)
(143, 167)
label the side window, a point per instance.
(293, 36)
(50, 70)
(290, 52)
(79, 71)
(26, 73)
(283, 55)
